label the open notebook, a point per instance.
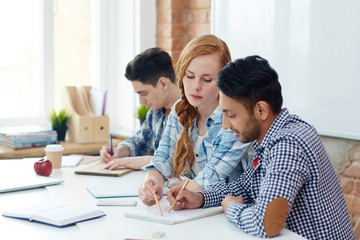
(152, 213)
(56, 214)
(17, 175)
(98, 169)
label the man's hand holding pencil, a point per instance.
(180, 198)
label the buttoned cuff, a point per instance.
(211, 198)
(233, 212)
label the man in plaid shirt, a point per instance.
(152, 76)
(291, 182)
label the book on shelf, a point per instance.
(27, 136)
(27, 145)
(98, 169)
(24, 130)
(56, 214)
(173, 217)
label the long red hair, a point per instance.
(203, 45)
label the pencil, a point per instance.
(157, 202)
(182, 189)
(111, 146)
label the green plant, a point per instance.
(59, 120)
(141, 112)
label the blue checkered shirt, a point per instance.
(219, 157)
(147, 139)
(294, 165)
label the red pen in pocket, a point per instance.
(255, 162)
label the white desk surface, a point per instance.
(114, 225)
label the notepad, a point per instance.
(114, 190)
(152, 213)
(56, 214)
(98, 169)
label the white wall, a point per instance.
(314, 47)
(121, 30)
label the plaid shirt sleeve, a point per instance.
(286, 174)
(284, 179)
(222, 162)
(164, 154)
(239, 187)
(146, 139)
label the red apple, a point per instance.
(43, 167)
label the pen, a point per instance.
(112, 150)
(182, 189)
(157, 201)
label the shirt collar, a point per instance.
(280, 121)
(216, 115)
(163, 110)
(215, 118)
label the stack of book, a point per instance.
(27, 136)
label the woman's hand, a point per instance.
(147, 191)
(128, 162)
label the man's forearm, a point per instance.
(136, 162)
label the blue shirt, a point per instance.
(294, 165)
(147, 139)
(219, 156)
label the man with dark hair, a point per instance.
(291, 182)
(152, 75)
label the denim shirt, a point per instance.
(147, 139)
(220, 155)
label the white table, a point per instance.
(114, 225)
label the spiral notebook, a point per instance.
(98, 169)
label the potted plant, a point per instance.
(141, 113)
(59, 122)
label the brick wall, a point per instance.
(178, 21)
(350, 184)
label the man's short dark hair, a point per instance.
(250, 80)
(148, 66)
